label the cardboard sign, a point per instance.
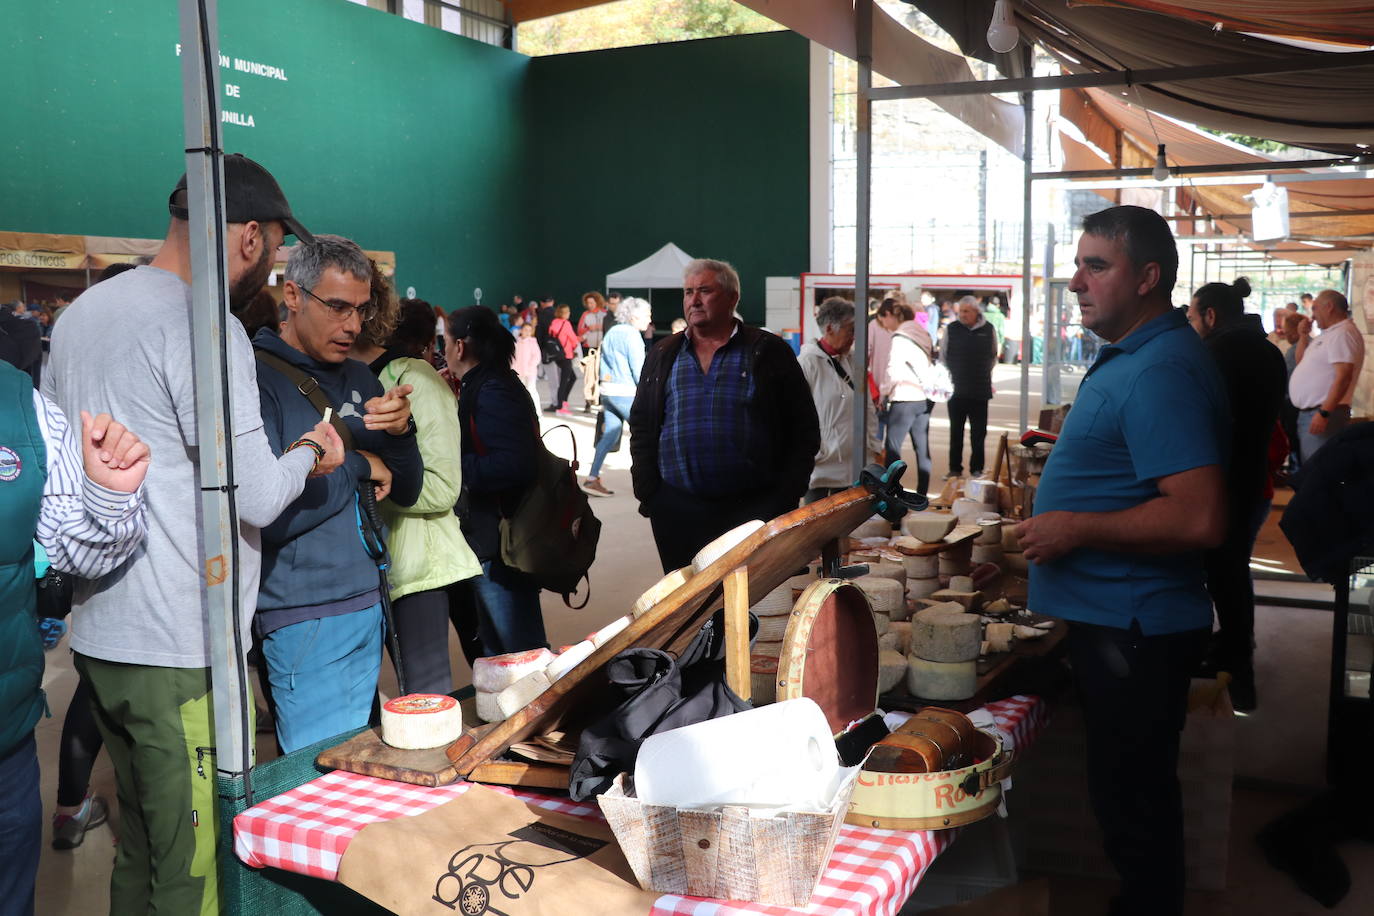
(488, 854)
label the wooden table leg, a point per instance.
(737, 632)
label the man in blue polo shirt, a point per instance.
(1132, 495)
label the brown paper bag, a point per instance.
(489, 853)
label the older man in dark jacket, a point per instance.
(723, 429)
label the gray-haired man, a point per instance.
(968, 347)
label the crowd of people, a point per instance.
(384, 450)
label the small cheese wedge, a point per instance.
(487, 709)
(1001, 636)
(969, 600)
(928, 527)
(421, 720)
(724, 544)
(569, 659)
(611, 630)
(942, 680)
(944, 633)
(891, 669)
(497, 672)
(660, 590)
(518, 695)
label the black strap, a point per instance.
(841, 371)
(310, 387)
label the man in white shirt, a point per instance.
(1323, 384)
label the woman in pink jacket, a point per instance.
(526, 360)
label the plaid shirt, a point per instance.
(710, 445)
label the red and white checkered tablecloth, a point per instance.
(871, 872)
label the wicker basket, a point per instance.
(725, 852)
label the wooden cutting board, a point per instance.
(365, 753)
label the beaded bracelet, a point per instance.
(313, 446)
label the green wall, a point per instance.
(478, 166)
(701, 143)
(398, 135)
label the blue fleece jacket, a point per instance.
(313, 563)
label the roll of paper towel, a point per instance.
(781, 755)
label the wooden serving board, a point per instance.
(367, 754)
(959, 535)
(772, 555)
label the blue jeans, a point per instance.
(506, 605)
(21, 827)
(323, 674)
(911, 419)
(617, 411)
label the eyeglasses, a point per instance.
(342, 311)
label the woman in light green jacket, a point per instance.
(428, 552)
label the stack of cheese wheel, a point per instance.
(922, 575)
(1013, 560)
(945, 642)
(773, 611)
(987, 547)
(421, 720)
(956, 560)
(887, 569)
(494, 676)
(887, 598)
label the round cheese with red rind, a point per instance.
(421, 720)
(497, 672)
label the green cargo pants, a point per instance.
(157, 724)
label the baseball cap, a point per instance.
(250, 194)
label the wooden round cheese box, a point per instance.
(830, 652)
(933, 801)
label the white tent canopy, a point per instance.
(660, 270)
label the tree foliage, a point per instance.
(638, 22)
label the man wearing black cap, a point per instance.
(140, 635)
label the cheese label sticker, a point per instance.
(420, 703)
(10, 464)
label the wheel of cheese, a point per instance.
(778, 602)
(875, 527)
(497, 672)
(881, 623)
(928, 527)
(981, 489)
(724, 544)
(421, 720)
(888, 596)
(890, 641)
(968, 511)
(887, 569)
(955, 565)
(989, 532)
(941, 680)
(487, 709)
(902, 630)
(768, 648)
(891, 669)
(772, 629)
(922, 588)
(763, 679)
(987, 553)
(925, 567)
(944, 633)
(569, 659)
(660, 590)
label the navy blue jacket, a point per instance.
(314, 563)
(500, 446)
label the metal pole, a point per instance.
(863, 27)
(1053, 353)
(209, 314)
(1027, 151)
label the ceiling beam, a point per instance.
(1301, 63)
(1347, 173)
(1301, 214)
(1222, 167)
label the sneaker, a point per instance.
(68, 830)
(593, 486)
(564, 411)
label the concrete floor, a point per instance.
(1279, 748)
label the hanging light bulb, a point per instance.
(1002, 32)
(1161, 169)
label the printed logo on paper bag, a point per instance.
(481, 878)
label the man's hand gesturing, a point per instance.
(390, 412)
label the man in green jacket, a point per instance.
(81, 498)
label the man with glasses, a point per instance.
(140, 634)
(319, 609)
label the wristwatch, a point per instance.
(1326, 414)
(409, 430)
